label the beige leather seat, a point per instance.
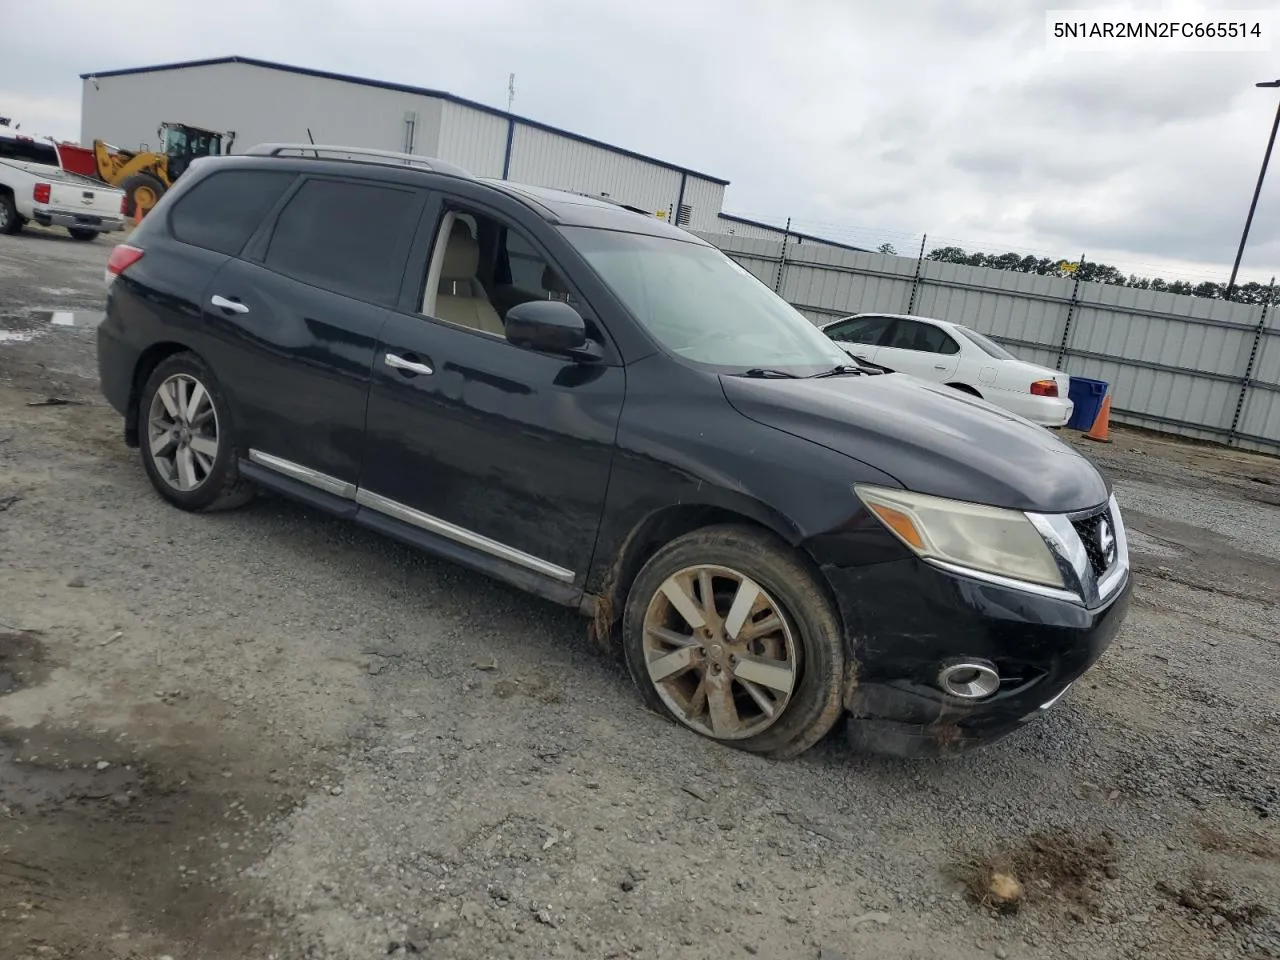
(461, 298)
(556, 288)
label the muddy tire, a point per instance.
(10, 222)
(186, 437)
(727, 632)
(141, 189)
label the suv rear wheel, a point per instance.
(185, 434)
(726, 632)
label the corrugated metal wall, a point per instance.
(746, 230)
(474, 140)
(258, 104)
(1200, 368)
(263, 104)
(547, 160)
(1260, 411)
(706, 198)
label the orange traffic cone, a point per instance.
(1101, 429)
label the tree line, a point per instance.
(1095, 272)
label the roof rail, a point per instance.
(617, 203)
(356, 153)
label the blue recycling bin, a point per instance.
(1087, 396)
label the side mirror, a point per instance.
(550, 326)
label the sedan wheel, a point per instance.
(719, 653)
(727, 631)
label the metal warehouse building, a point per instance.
(262, 101)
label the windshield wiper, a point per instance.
(843, 369)
(761, 372)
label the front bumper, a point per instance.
(80, 221)
(908, 619)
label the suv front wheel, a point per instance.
(727, 632)
(185, 434)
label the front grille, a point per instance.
(1090, 532)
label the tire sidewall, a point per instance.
(130, 185)
(816, 702)
(12, 221)
(224, 464)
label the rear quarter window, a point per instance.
(222, 211)
(346, 237)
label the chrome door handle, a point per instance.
(234, 306)
(409, 366)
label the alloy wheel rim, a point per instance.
(182, 432)
(720, 652)
(4, 215)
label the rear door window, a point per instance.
(348, 237)
(866, 330)
(223, 210)
(922, 337)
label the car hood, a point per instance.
(932, 439)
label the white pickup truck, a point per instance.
(34, 187)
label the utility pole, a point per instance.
(511, 90)
(1257, 191)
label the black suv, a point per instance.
(605, 410)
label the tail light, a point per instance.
(122, 258)
(42, 193)
(124, 205)
(1044, 388)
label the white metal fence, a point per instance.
(1193, 366)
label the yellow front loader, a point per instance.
(144, 175)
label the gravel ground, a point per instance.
(268, 733)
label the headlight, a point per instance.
(970, 535)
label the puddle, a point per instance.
(66, 318)
(25, 327)
(100, 834)
(23, 662)
(44, 779)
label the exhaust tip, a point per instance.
(969, 679)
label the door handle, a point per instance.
(230, 306)
(409, 367)
(939, 366)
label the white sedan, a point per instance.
(959, 357)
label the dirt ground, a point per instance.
(271, 734)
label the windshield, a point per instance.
(987, 345)
(703, 307)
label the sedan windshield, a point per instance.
(701, 306)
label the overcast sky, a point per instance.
(863, 120)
